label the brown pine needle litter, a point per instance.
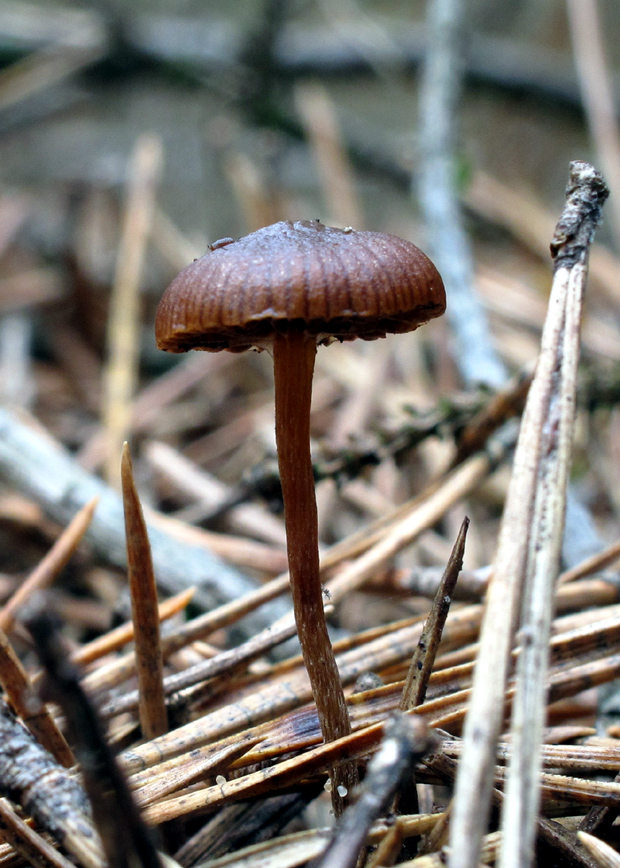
(475, 657)
(149, 659)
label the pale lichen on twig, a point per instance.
(586, 193)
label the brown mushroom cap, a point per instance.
(333, 283)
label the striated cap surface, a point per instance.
(333, 283)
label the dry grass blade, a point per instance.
(578, 791)
(151, 402)
(562, 842)
(423, 659)
(437, 837)
(525, 217)
(51, 565)
(36, 465)
(251, 190)
(507, 403)
(585, 594)
(285, 852)
(149, 660)
(600, 818)
(198, 628)
(300, 847)
(420, 516)
(318, 115)
(119, 636)
(592, 564)
(557, 756)
(488, 854)
(603, 854)
(283, 774)
(143, 781)
(291, 690)
(565, 843)
(238, 550)
(247, 518)
(372, 547)
(124, 312)
(473, 786)
(385, 541)
(386, 853)
(43, 68)
(173, 244)
(182, 775)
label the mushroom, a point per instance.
(287, 288)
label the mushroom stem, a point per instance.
(293, 356)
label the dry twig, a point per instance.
(51, 565)
(405, 741)
(123, 326)
(423, 658)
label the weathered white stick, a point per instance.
(534, 511)
(529, 709)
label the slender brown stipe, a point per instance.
(289, 287)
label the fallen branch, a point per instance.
(38, 467)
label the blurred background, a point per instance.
(132, 135)
(224, 86)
